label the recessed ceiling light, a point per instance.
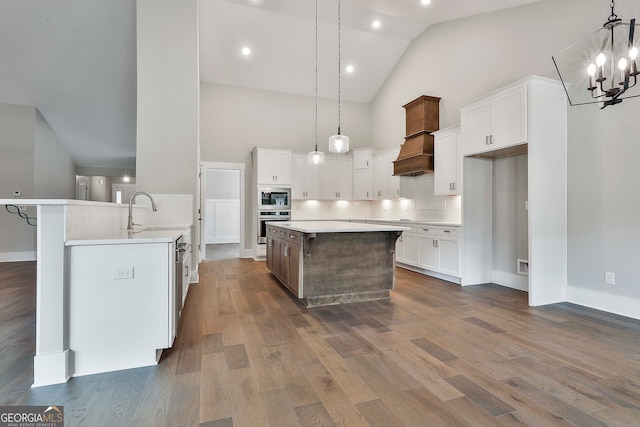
(246, 51)
(375, 24)
(425, 2)
(349, 69)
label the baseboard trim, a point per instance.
(17, 256)
(510, 280)
(616, 304)
(435, 274)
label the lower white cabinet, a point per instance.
(434, 248)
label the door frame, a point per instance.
(204, 167)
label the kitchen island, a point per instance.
(333, 262)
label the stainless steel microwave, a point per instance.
(270, 198)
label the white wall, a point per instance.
(33, 161)
(54, 169)
(460, 60)
(234, 120)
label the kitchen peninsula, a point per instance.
(333, 262)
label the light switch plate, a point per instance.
(609, 278)
(123, 273)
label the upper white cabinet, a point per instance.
(448, 162)
(307, 179)
(337, 178)
(496, 121)
(385, 185)
(362, 173)
(272, 166)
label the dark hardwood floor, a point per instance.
(436, 354)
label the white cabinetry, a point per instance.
(431, 249)
(362, 171)
(272, 166)
(307, 179)
(496, 121)
(385, 185)
(337, 178)
(532, 111)
(448, 162)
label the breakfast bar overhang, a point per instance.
(333, 262)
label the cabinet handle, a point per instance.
(490, 139)
(447, 231)
(486, 140)
(454, 185)
(425, 229)
(367, 194)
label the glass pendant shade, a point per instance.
(315, 158)
(338, 143)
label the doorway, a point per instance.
(221, 210)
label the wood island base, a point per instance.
(331, 262)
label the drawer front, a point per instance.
(292, 236)
(425, 229)
(448, 231)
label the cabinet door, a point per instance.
(294, 269)
(475, 122)
(362, 184)
(445, 164)
(344, 180)
(314, 182)
(284, 261)
(299, 177)
(393, 189)
(329, 178)
(509, 118)
(409, 249)
(400, 248)
(282, 167)
(265, 160)
(379, 174)
(427, 252)
(362, 159)
(270, 253)
(449, 256)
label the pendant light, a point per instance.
(316, 157)
(610, 69)
(339, 143)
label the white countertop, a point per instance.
(56, 202)
(119, 237)
(416, 221)
(334, 226)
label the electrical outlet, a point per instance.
(609, 278)
(22, 207)
(17, 193)
(123, 273)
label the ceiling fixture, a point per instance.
(246, 51)
(425, 2)
(376, 24)
(316, 157)
(349, 69)
(610, 67)
(339, 143)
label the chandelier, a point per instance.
(601, 68)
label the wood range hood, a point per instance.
(416, 154)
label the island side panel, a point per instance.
(348, 267)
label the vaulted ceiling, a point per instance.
(76, 59)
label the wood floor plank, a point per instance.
(246, 403)
(236, 356)
(480, 396)
(313, 415)
(378, 414)
(215, 397)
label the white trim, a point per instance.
(204, 166)
(616, 304)
(510, 280)
(17, 256)
(431, 273)
(54, 368)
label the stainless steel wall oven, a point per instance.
(267, 216)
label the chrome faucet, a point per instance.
(154, 207)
